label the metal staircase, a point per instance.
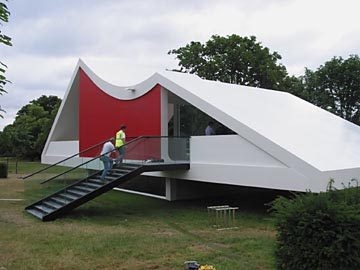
(74, 195)
(144, 154)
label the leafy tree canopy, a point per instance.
(233, 59)
(26, 137)
(4, 17)
(335, 86)
(48, 103)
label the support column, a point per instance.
(170, 192)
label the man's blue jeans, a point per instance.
(107, 165)
(121, 156)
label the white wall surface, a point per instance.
(63, 148)
(60, 150)
(230, 150)
(230, 159)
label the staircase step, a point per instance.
(68, 196)
(117, 173)
(60, 200)
(96, 181)
(128, 167)
(35, 213)
(76, 192)
(53, 203)
(121, 171)
(84, 188)
(111, 178)
(92, 185)
(99, 180)
(43, 208)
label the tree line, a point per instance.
(334, 86)
(26, 136)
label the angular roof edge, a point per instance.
(288, 128)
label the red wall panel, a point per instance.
(100, 115)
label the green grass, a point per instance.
(126, 231)
(16, 166)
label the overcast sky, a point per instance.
(126, 41)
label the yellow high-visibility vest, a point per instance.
(120, 136)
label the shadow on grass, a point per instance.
(121, 205)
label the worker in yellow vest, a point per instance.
(120, 140)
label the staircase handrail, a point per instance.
(89, 148)
(88, 161)
(65, 159)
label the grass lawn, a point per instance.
(126, 231)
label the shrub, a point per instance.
(3, 170)
(318, 231)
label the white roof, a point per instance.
(321, 139)
(283, 125)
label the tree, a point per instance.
(335, 86)
(233, 59)
(4, 39)
(26, 137)
(48, 103)
(5, 141)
